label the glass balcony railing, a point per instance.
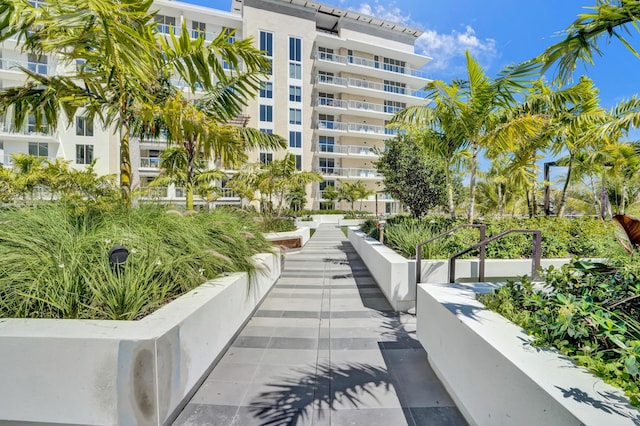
(369, 63)
(355, 150)
(355, 128)
(357, 105)
(369, 85)
(348, 172)
(150, 162)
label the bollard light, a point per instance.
(118, 255)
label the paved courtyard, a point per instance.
(324, 348)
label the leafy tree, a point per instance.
(331, 195)
(415, 179)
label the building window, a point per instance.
(394, 65)
(325, 121)
(266, 158)
(37, 64)
(393, 106)
(266, 113)
(295, 49)
(298, 162)
(39, 149)
(295, 116)
(394, 87)
(83, 127)
(295, 139)
(325, 53)
(198, 29)
(326, 143)
(165, 24)
(84, 154)
(266, 90)
(295, 71)
(267, 131)
(295, 93)
(266, 43)
(327, 165)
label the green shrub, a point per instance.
(54, 261)
(589, 312)
(561, 237)
(276, 224)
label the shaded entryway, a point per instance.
(324, 348)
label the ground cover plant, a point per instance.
(561, 237)
(588, 311)
(54, 260)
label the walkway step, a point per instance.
(324, 348)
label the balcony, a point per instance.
(7, 160)
(336, 62)
(348, 173)
(355, 129)
(362, 87)
(329, 150)
(331, 105)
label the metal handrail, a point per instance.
(535, 252)
(483, 233)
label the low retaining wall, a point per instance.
(394, 274)
(496, 377)
(93, 372)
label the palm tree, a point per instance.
(606, 18)
(122, 59)
(198, 137)
(352, 192)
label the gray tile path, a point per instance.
(324, 348)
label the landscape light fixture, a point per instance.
(118, 255)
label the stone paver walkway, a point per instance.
(324, 348)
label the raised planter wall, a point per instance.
(93, 372)
(394, 274)
(302, 234)
(496, 376)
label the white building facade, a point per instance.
(337, 78)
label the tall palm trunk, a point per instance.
(623, 196)
(191, 157)
(472, 180)
(563, 199)
(594, 194)
(500, 201)
(125, 166)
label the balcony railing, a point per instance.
(364, 62)
(325, 148)
(7, 160)
(348, 173)
(355, 127)
(178, 192)
(370, 85)
(150, 162)
(357, 105)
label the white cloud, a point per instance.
(446, 50)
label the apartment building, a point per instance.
(337, 78)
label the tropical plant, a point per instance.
(274, 182)
(115, 61)
(54, 260)
(352, 192)
(608, 18)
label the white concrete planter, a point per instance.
(496, 377)
(394, 274)
(124, 372)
